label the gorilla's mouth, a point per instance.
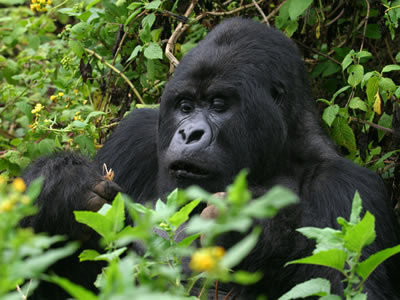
(181, 169)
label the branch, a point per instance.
(387, 130)
(365, 26)
(276, 9)
(318, 52)
(261, 12)
(224, 13)
(91, 52)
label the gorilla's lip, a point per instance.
(183, 169)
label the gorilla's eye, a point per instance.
(185, 106)
(218, 105)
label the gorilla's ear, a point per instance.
(277, 92)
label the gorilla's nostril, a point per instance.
(182, 133)
(195, 136)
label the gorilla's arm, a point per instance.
(131, 151)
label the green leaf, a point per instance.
(153, 4)
(153, 51)
(384, 121)
(337, 93)
(239, 251)
(326, 238)
(238, 193)
(182, 215)
(35, 188)
(80, 30)
(99, 223)
(333, 258)
(330, 114)
(187, 241)
(363, 53)
(88, 254)
(356, 73)
(94, 114)
(148, 21)
(135, 5)
(348, 59)
(387, 84)
(372, 89)
(390, 68)
(343, 134)
(109, 257)
(296, 8)
(135, 52)
(357, 103)
(365, 268)
(269, 204)
(76, 291)
(331, 297)
(246, 278)
(47, 146)
(116, 214)
(360, 235)
(312, 287)
(356, 208)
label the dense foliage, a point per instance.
(70, 70)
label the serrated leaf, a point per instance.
(357, 103)
(326, 238)
(99, 223)
(135, 52)
(348, 59)
(330, 114)
(76, 291)
(88, 254)
(182, 215)
(238, 193)
(187, 241)
(356, 208)
(148, 21)
(363, 53)
(76, 47)
(116, 214)
(333, 258)
(360, 235)
(343, 134)
(378, 103)
(356, 73)
(153, 4)
(387, 84)
(153, 51)
(312, 287)
(390, 68)
(296, 8)
(365, 268)
(240, 250)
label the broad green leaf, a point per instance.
(88, 254)
(330, 114)
(135, 5)
(326, 238)
(109, 257)
(153, 4)
(348, 59)
(238, 193)
(246, 278)
(94, 114)
(182, 215)
(76, 291)
(116, 214)
(153, 51)
(78, 124)
(331, 297)
(99, 223)
(360, 235)
(239, 251)
(135, 52)
(390, 68)
(47, 146)
(365, 268)
(343, 134)
(269, 204)
(148, 21)
(384, 121)
(337, 93)
(356, 208)
(80, 30)
(187, 241)
(312, 287)
(155, 34)
(363, 53)
(296, 8)
(333, 258)
(357, 103)
(356, 73)
(387, 84)
(372, 89)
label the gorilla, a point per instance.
(240, 99)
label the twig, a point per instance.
(261, 11)
(335, 18)
(91, 52)
(365, 26)
(387, 130)
(276, 9)
(318, 52)
(389, 50)
(169, 49)
(224, 13)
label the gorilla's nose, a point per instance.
(195, 136)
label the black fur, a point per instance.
(240, 99)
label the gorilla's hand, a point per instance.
(71, 182)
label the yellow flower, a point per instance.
(33, 7)
(77, 113)
(19, 185)
(42, 1)
(60, 94)
(53, 97)
(38, 108)
(84, 102)
(76, 91)
(6, 206)
(34, 1)
(49, 2)
(206, 259)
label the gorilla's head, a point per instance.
(233, 103)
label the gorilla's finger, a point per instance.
(107, 189)
(95, 202)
